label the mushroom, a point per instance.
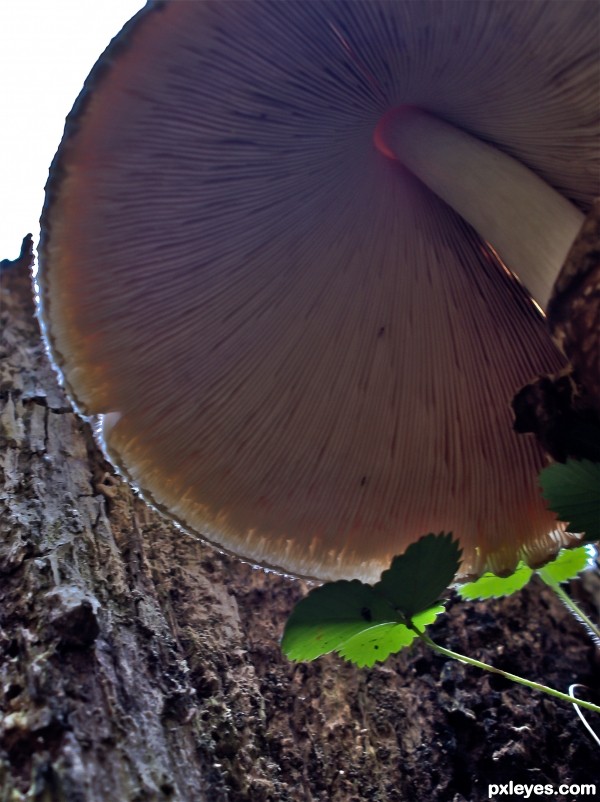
(291, 254)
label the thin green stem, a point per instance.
(514, 677)
(568, 601)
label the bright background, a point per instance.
(47, 49)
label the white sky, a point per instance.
(47, 49)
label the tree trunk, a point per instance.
(138, 663)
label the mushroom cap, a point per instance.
(300, 352)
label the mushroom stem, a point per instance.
(528, 223)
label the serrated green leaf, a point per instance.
(377, 643)
(416, 578)
(567, 565)
(427, 617)
(330, 615)
(572, 491)
(490, 586)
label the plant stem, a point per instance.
(514, 677)
(568, 601)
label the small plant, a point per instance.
(567, 565)
(366, 623)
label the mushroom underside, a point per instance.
(301, 352)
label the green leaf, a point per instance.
(567, 565)
(572, 491)
(490, 586)
(417, 578)
(377, 643)
(330, 615)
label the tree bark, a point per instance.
(137, 663)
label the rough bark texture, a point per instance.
(574, 309)
(563, 410)
(139, 664)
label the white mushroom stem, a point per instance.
(528, 223)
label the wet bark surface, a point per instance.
(137, 663)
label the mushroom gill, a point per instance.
(301, 352)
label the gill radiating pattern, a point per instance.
(280, 286)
